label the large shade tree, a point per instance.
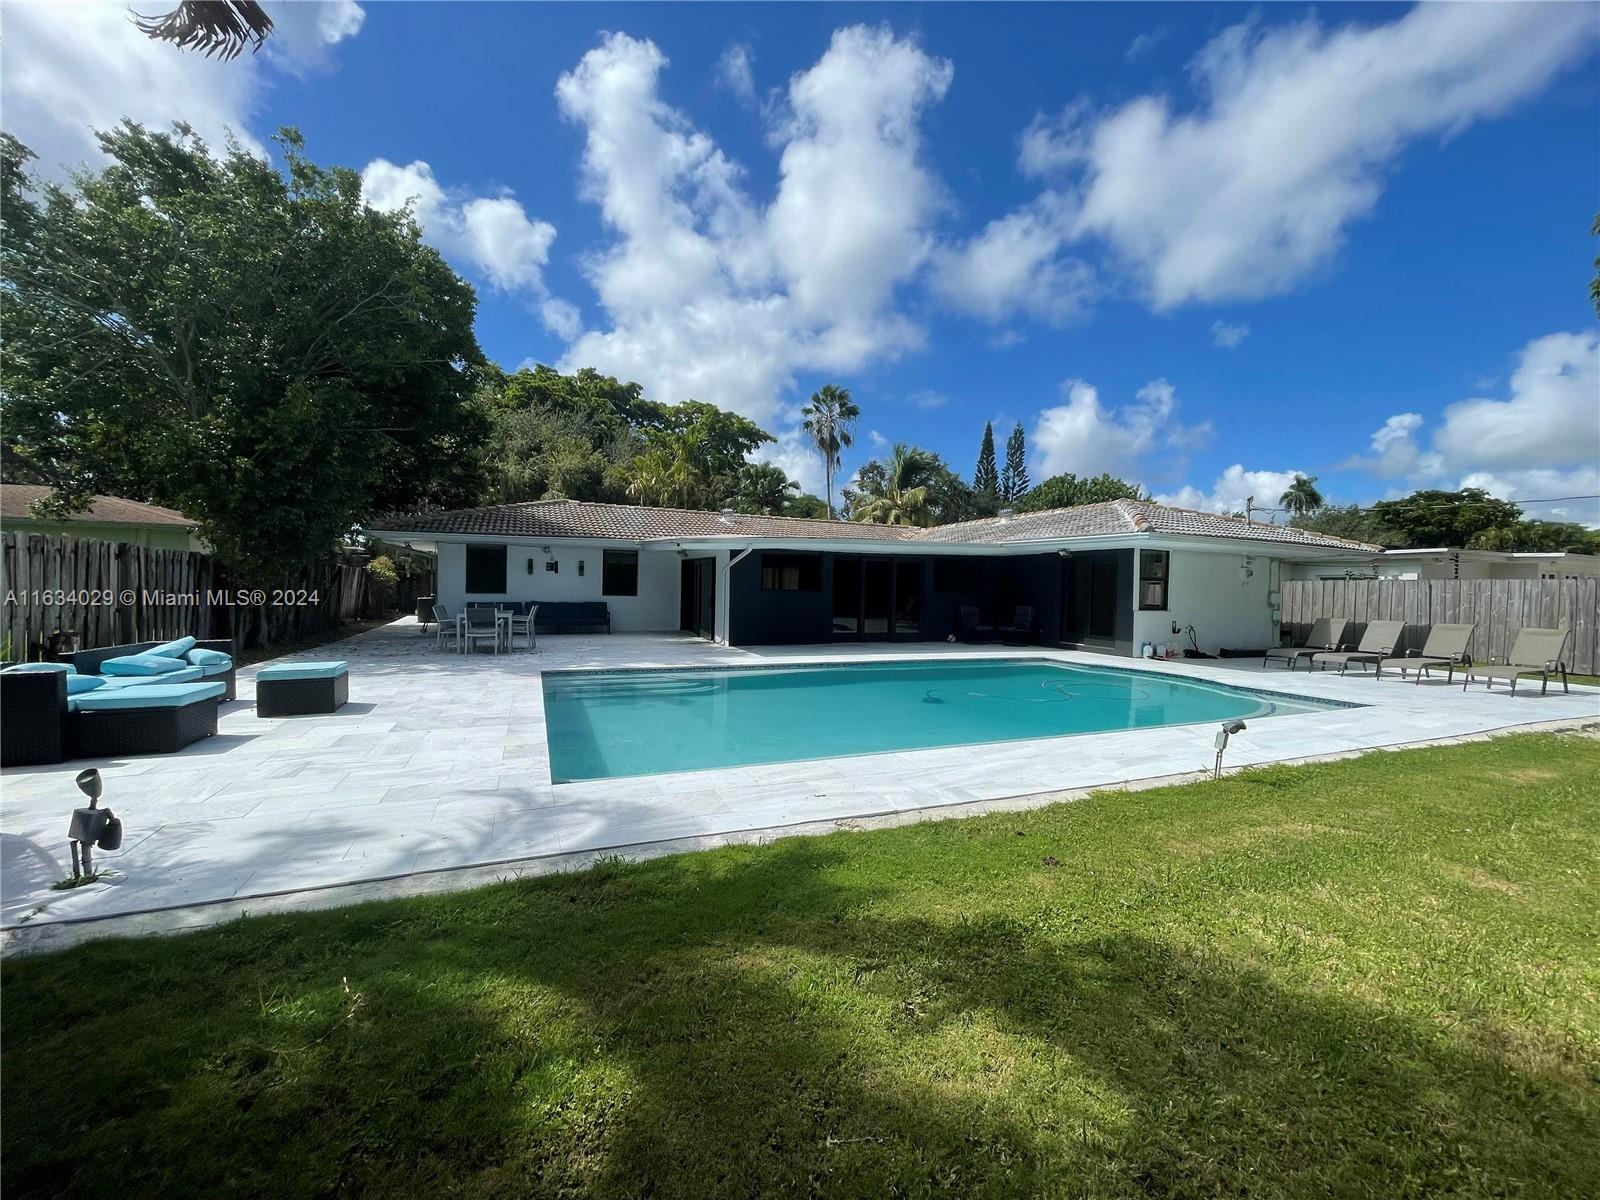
(1452, 519)
(829, 422)
(1068, 490)
(258, 349)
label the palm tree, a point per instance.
(1302, 496)
(220, 27)
(661, 476)
(828, 421)
(898, 494)
(762, 489)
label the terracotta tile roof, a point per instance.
(628, 522)
(16, 497)
(1115, 517)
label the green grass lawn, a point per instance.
(1374, 978)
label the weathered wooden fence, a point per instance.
(109, 593)
(1498, 607)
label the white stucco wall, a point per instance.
(653, 610)
(1213, 593)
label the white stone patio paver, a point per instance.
(440, 762)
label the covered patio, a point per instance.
(436, 774)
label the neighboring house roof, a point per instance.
(111, 510)
(628, 522)
(1114, 517)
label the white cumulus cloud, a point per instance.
(491, 237)
(710, 294)
(736, 71)
(1087, 437)
(1232, 489)
(1541, 441)
(1248, 191)
(1227, 336)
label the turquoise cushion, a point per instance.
(175, 649)
(201, 657)
(304, 670)
(185, 675)
(154, 696)
(35, 668)
(141, 664)
(77, 684)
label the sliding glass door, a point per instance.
(876, 599)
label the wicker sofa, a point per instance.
(40, 722)
(88, 661)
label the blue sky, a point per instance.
(1202, 245)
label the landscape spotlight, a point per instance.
(1229, 728)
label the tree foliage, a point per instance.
(1301, 497)
(1014, 479)
(1437, 518)
(985, 477)
(258, 349)
(1355, 523)
(763, 490)
(894, 490)
(829, 422)
(1538, 536)
(214, 27)
(588, 436)
(1067, 491)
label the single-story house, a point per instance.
(108, 519)
(1105, 576)
(1451, 564)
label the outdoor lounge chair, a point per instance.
(1535, 652)
(1446, 647)
(1323, 638)
(1377, 644)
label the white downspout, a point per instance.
(725, 567)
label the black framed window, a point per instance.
(486, 570)
(791, 572)
(956, 576)
(1153, 566)
(619, 573)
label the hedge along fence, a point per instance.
(1498, 607)
(110, 593)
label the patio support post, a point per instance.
(723, 620)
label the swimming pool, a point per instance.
(607, 724)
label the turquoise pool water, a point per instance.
(602, 725)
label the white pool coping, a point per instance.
(436, 774)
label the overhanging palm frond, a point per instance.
(214, 27)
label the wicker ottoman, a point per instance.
(297, 688)
(150, 719)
